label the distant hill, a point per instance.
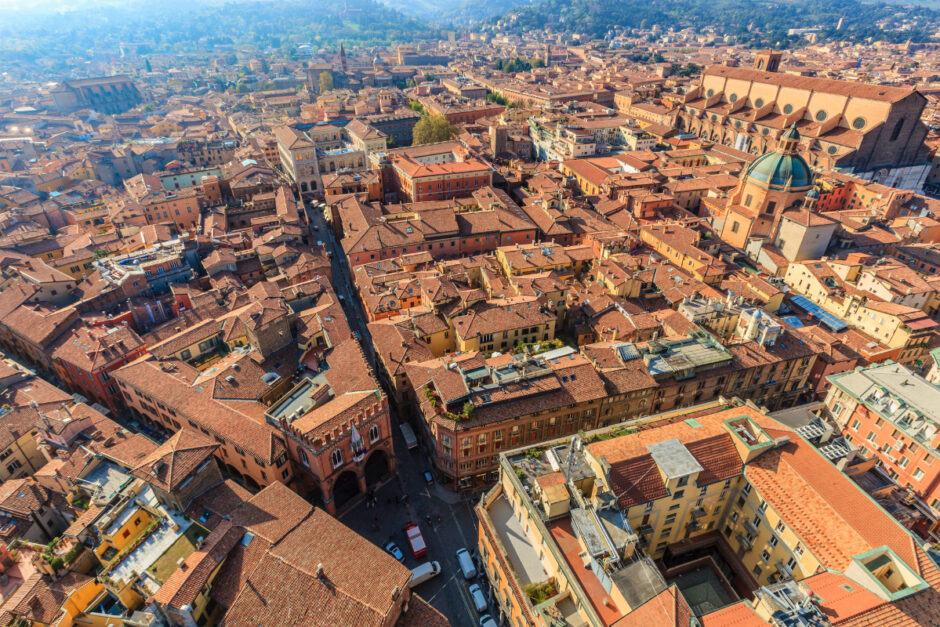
(455, 13)
(472, 11)
(159, 26)
(754, 22)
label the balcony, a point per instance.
(783, 569)
(693, 525)
(645, 529)
(751, 527)
(699, 512)
(745, 541)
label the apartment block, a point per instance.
(890, 414)
(714, 515)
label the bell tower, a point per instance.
(768, 60)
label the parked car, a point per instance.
(487, 621)
(392, 549)
(428, 477)
(467, 567)
(316, 227)
(416, 540)
(479, 599)
(423, 572)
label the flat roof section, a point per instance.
(674, 459)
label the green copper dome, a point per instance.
(781, 170)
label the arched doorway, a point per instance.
(345, 489)
(376, 467)
(315, 496)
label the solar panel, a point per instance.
(824, 317)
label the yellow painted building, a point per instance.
(771, 512)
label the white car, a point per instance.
(392, 549)
(423, 572)
(487, 621)
(479, 599)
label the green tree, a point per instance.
(433, 128)
(495, 98)
(414, 105)
(689, 69)
(241, 88)
(326, 82)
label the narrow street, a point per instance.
(457, 528)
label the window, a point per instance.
(855, 425)
(303, 457)
(671, 518)
(373, 434)
(764, 555)
(735, 227)
(918, 474)
(337, 458)
(14, 466)
(757, 570)
(746, 489)
(773, 542)
(678, 494)
(871, 436)
(682, 481)
(897, 130)
(798, 550)
(858, 123)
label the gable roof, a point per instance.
(176, 459)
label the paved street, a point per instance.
(342, 281)
(457, 527)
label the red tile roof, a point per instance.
(176, 459)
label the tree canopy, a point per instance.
(433, 128)
(756, 24)
(326, 82)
